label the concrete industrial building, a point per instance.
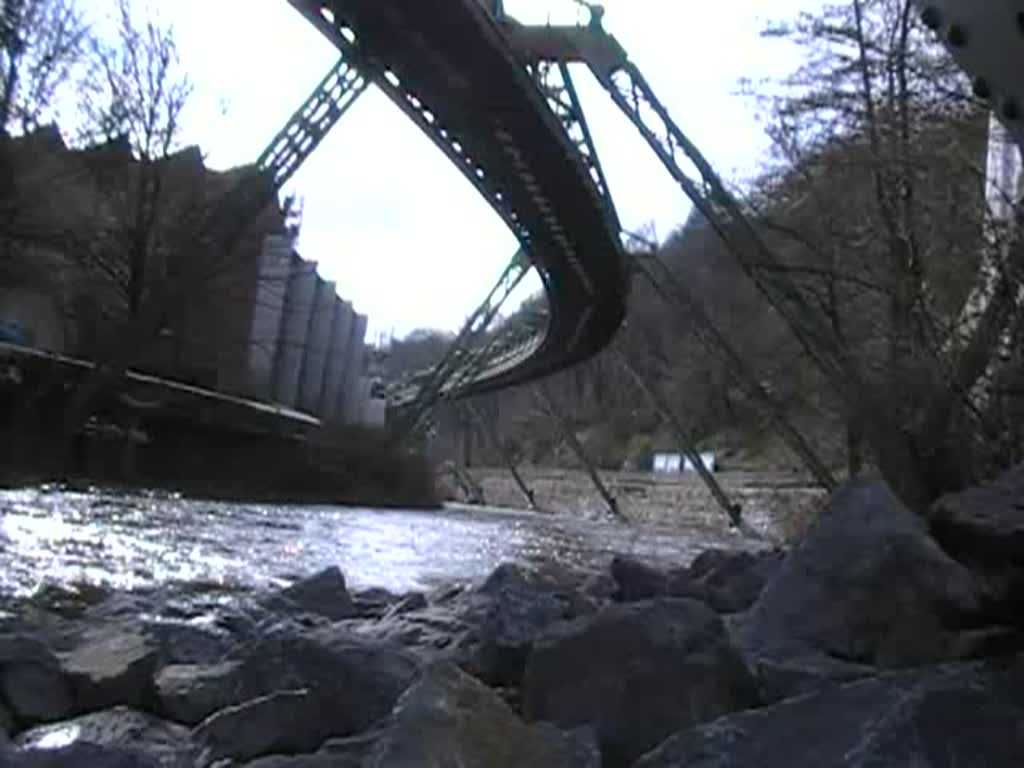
(263, 325)
(314, 339)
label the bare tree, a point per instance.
(135, 91)
(41, 44)
(879, 203)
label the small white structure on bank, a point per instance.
(677, 463)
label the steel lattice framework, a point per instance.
(987, 42)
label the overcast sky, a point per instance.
(403, 234)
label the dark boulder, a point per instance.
(449, 718)
(639, 581)
(357, 682)
(636, 673)
(732, 581)
(189, 693)
(504, 617)
(82, 755)
(984, 528)
(352, 752)
(122, 732)
(286, 722)
(867, 586)
(188, 642)
(32, 683)
(322, 594)
(942, 717)
(984, 523)
(112, 668)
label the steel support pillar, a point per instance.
(474, 493)
(456, 357)
(686, 441)
(545, 402)
(207, 251)
(506, 457)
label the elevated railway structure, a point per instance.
(498, 100)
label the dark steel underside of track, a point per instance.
(447, 65)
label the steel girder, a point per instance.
(986, 37)
(339, 89)
(461, 355)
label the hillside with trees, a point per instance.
(903, 351)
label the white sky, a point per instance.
(386, 216)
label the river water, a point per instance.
(56, 537)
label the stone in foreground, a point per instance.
(986, 522)
(32, 683)
(945, 717)
(111, 669)
(189, 693)
(117, 732)
(450, 718)
(508, 612)
(867, 586)
(636, 673)
(287, 722)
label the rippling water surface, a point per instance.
(126, 541)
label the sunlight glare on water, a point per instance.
(138, 541)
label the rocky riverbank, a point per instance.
(882, 639)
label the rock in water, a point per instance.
(120, 732)
(323, 594)
(189, 693)
(112, 668)
(636, 673)
(868, 586)
(32, 682)
(450, 718)
(942, 717)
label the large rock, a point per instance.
(80, 755)
(356, 683)
(189, 693)
(867, 586)
(984, 528)
(732, 581)
(286, 722)
(111, 668)
(937, 718)
(640, 581)
(323, 594)
(984, 523)
(188, 642)
(636, 673)
(352, 752)
(449, 718)
(32, 683)
(504, 617)
(121, 731)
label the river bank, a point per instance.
(330, 465)
(882, 639)
(774, 503)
